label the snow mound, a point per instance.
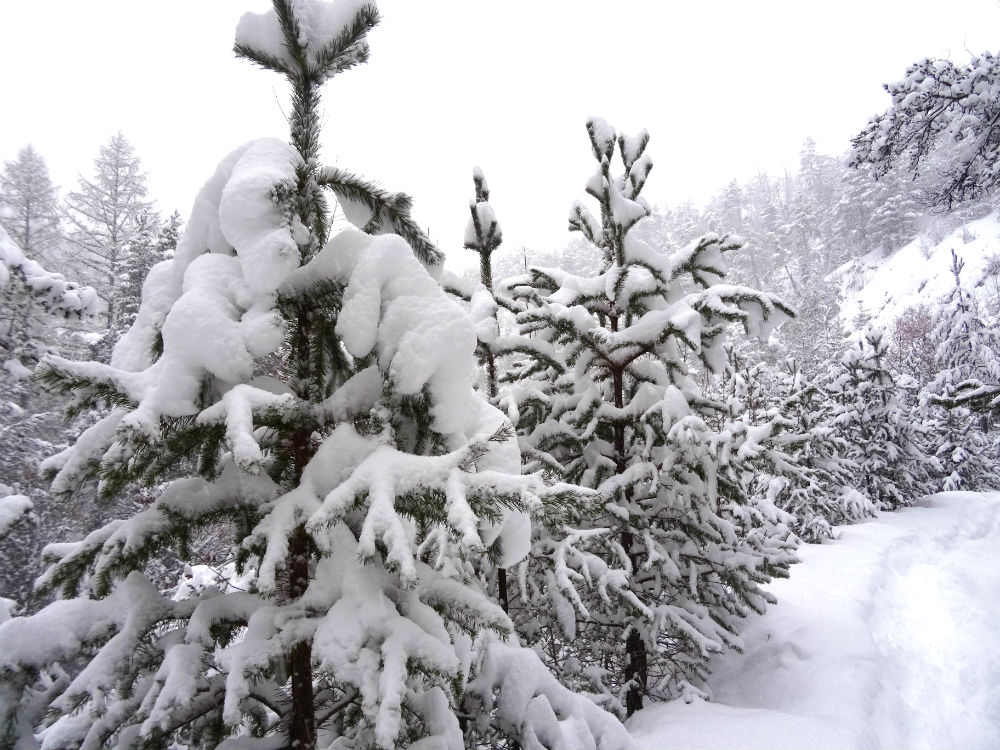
(679, 725)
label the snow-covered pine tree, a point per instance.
(676, 571)
(29, 207)
(29, 289)
(968, 362)
(799, 463)
(483, 236)
(880, 213)
(131, 269)
(942, 122)
(816, 338)
(523, 377)
(806, 234)
(169, 235)
(756, 435)
(27, 283)
(323, 388)
(109, 216)
(876, 416)
(520, 376)
(151, 244)
(30, 215)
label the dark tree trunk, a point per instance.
(302, 727)
(302, 722)
(502, 586)
(636, 663)
(636, 670)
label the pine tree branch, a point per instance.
(196, 708)
(264, 60)
(292, 32)
(349, 48)
(393, 208)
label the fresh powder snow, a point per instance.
(885, 638)
(918, 273)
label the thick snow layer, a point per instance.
(919, 272)
(486, 218)
(553, 713)
(56, 294)
(252, 221)
(12, 509)
(16, 370)
(885, 638)
(214, 310)
(602, 134)
(320, 24)
(420, 336)
(197, 578)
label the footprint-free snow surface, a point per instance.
(886, 638)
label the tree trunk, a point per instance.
(636, 671)
(502, 586)
(491, 389)
(302, 723)
(302, 727)
(636, 663)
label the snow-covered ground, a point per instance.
(920, 272)
(886, 638)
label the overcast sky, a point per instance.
(724, 88)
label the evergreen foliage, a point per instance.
(30, 422)
(320, 390)
(772, 422)
(149, 246)
(968, 363)
(645, 589)
(942, 120)
(413, 551)
(29, 207)
(28, 286)
(875, 413)
(110, 219)
(483, 236)
(815, 339)
(29, 214)
(876, 214)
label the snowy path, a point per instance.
(888, 638)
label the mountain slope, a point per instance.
(882, 286)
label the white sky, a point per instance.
(724, 86)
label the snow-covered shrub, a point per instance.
(961, 399)
(875, 413)
(783, 450)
